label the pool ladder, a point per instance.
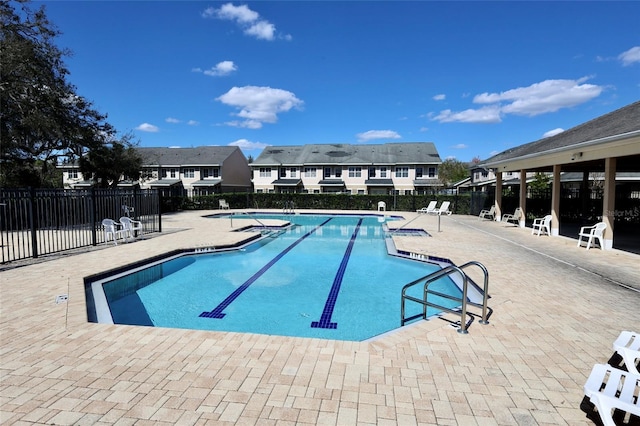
(288, 207)
(449, 270)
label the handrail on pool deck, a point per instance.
(464, 325)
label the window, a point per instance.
(327, 172)
(338, 172)
(283, 172)
(355, 172)
(383, 172)
(189, 173)
(432, 172)
(209, 173)
(418, 172)
(169, 173)
(73, 174)
(402, 172)
(265, 172)
(293, 172)
(372, 172)
(309, 172)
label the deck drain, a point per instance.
(61, 298)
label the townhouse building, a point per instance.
(406, 168)
(182, 171)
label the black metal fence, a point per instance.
(35, 222)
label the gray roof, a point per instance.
(198, 156)
(619, 122)
(321, 154)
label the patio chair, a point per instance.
(609, 388)
(113, 230)
(542, 224)
(431, 207)
(627, 345)
(443, 209)
(515, 217)
(131, 228)
(592, 233)
(485, 214)
(382, 206)
(222, 203)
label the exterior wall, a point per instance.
(354, 176)
(235, 172)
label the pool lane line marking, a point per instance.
(218, 310)
(327, 312)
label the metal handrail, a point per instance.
(391, 231)
(428, 279)
(244, 213)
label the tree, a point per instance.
(107, 163)
(42, 119)
(539, 184)
(451, 171)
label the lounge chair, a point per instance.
(515, 217)
(592, 233)
(431, 207)
(486, 214)
(627, 345)
(609, 388)
(131, 228)
(542, 224)
(222, 203)
(443, 209)
(112, 230)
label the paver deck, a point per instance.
(557, 310)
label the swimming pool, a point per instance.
(325, 277)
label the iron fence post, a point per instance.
(33, 222)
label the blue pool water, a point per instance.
(326, 277)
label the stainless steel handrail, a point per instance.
(428, 279)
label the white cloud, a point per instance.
(247, 19)
(172, 120)
(221, 69)
(488, 114)
(146, 127)
(552, 132)
(540, 98)
(262, 30)
(192, 123)
(377, 134)
(630, 56)
(460, 146)
(259, 105)
(248, 145)
(439, 97)
(424, 129)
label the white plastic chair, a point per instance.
(113, 230)
(223, 204)
(609, 388)
(131, 228)
(627, 345)
(592, 233)
(443, 209)
(515, 217)
(431, 207)
(484, 214)
(382, 206)
(542, 224)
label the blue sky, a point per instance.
(474, 78)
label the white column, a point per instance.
(523, 197)
(555, 201)
(498, 196)
(609, 201)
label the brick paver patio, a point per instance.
(557, 310)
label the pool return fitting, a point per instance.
(449, 270)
